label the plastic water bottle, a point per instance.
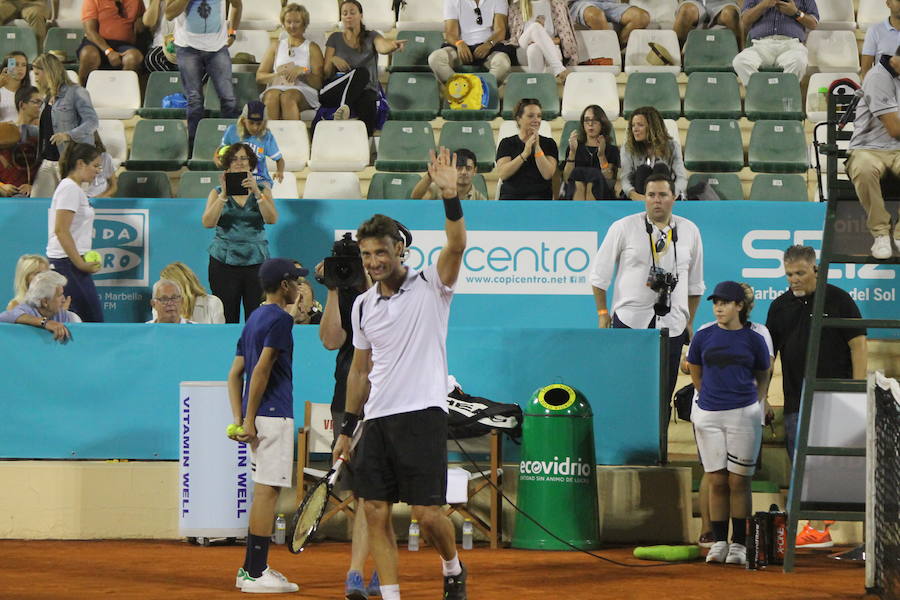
(413, 543)
(467, 532)
(280, 529)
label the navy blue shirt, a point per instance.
(269, 326)
(729, 360)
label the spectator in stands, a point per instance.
(166, 303)
(44, 306)
(592, 160)
(105, 184)
(292, 69)
(71, 225)
(706, 14)
(777, 31)
(161, 54)
(650, 150)
(37, 13)
(68, 116)
(240, 245)
(655, 247)
(543, 28)
(881, 38)
(196, 304)
(466, 168)
(10, 81)
(250, 129)
(27, 267)
(19, 163)
(599, 14)
(526, 161)
(351, 70)
(473, 37)
(875, 149)
(201, 39)
(110, 36)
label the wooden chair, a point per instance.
(315, 438)
(490, 524)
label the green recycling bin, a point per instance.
(557, 472)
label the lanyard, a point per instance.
(671, 237)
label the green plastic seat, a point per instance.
(414, 56)
(404, 146)
(485, 114)
(65, 40)
(245, 90)
(709, 50)
(659, 90)
(392, 186)
(159, 85)
(714, 145)
(413, 96)
(531, 85)
(143, 184)
(568, 128)
(726, 185)
(158, 145)
(21, 39)
(197, 184)
(773, 96)
(712, 96)
(477, 137)
(770, 186)
(206, 140)
(778, 147)
(480, 184)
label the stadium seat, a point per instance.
(768, 186)
(568, 128)
(778, 147)
(144, 184)
(598, 44)
(484, 114)
(662, 12)
(531, 85)
(112, 133)
(392, 186)
(773, 96)
(114, 94)
(324, 17)
(331, 186)
(712, 96)
(832, 51)
(18, 38)
(709, 50)
(293, 141)
(197, 184)
(836, 14)
(253, 42)
(638, 47)
(422, 14)
(207, 138)
(726, 185)
(413, 96)
(159, 85)
(245, 90)
(286, 189)
(380, 15)
(262, 14)
(582, 89)
(476, 136)
(65, 40)
(659, 90)
(817, 80)
(714, 145)
(351, 154)
(69, 15)
(158, 145)
(480, 184)
(414, 56)
(510, 128)
(870, 12)
(404, 146)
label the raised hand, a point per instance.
(442, 170)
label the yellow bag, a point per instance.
(466, 91)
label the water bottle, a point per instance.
(413, 543)
(280, 529)
(467, 532)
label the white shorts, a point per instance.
(728, 439)
(272, 454)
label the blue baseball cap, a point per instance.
(728, 290)
(275, 270)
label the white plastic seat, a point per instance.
(253, 42)
(332, 186)
(427, 15)
(339, 146)
(582, 89)
(293, 141)
(672, 130)
(871, 12)
(112, 133)
(510, 128)
(598, 44)
(817, 80)
(69, 14)
(832, 51)
(662, 12)
(287, 188)
(836, 14)
(380, 14)
(114, 94)
(638, 47)
(325, 16)
(261, 14)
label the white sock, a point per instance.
(390, 592)
(452, 566)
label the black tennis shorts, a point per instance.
(403, 458)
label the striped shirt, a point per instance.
(773, 22)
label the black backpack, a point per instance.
(473, 416)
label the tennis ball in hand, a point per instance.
(234, 430)
(92, 256)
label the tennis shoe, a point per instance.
(374, 588)
(270, 582)
(706, 540)
(737, 554)
(811, 537)
(455, 585)
(239, 580)
(881, 249)
(717, 553)
(355, 587)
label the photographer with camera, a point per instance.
(660, 271)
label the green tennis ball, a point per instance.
(232, 429)
(92, 256)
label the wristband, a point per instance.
(539, 153)
(604, 165)
(107, 51)
(232, 32)
(348, 426)
(453, 208)
(458, 42)
(602, 312)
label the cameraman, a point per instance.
(660, 271)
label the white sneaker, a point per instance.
(717, 553)
(239, 579)
(881, 249)
(737, 554)
(270, 582)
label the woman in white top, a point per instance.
(292, 68)
(70, 229)
(196, 305)
(539, 27)
(10, 81)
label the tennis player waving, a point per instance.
(399, 372)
